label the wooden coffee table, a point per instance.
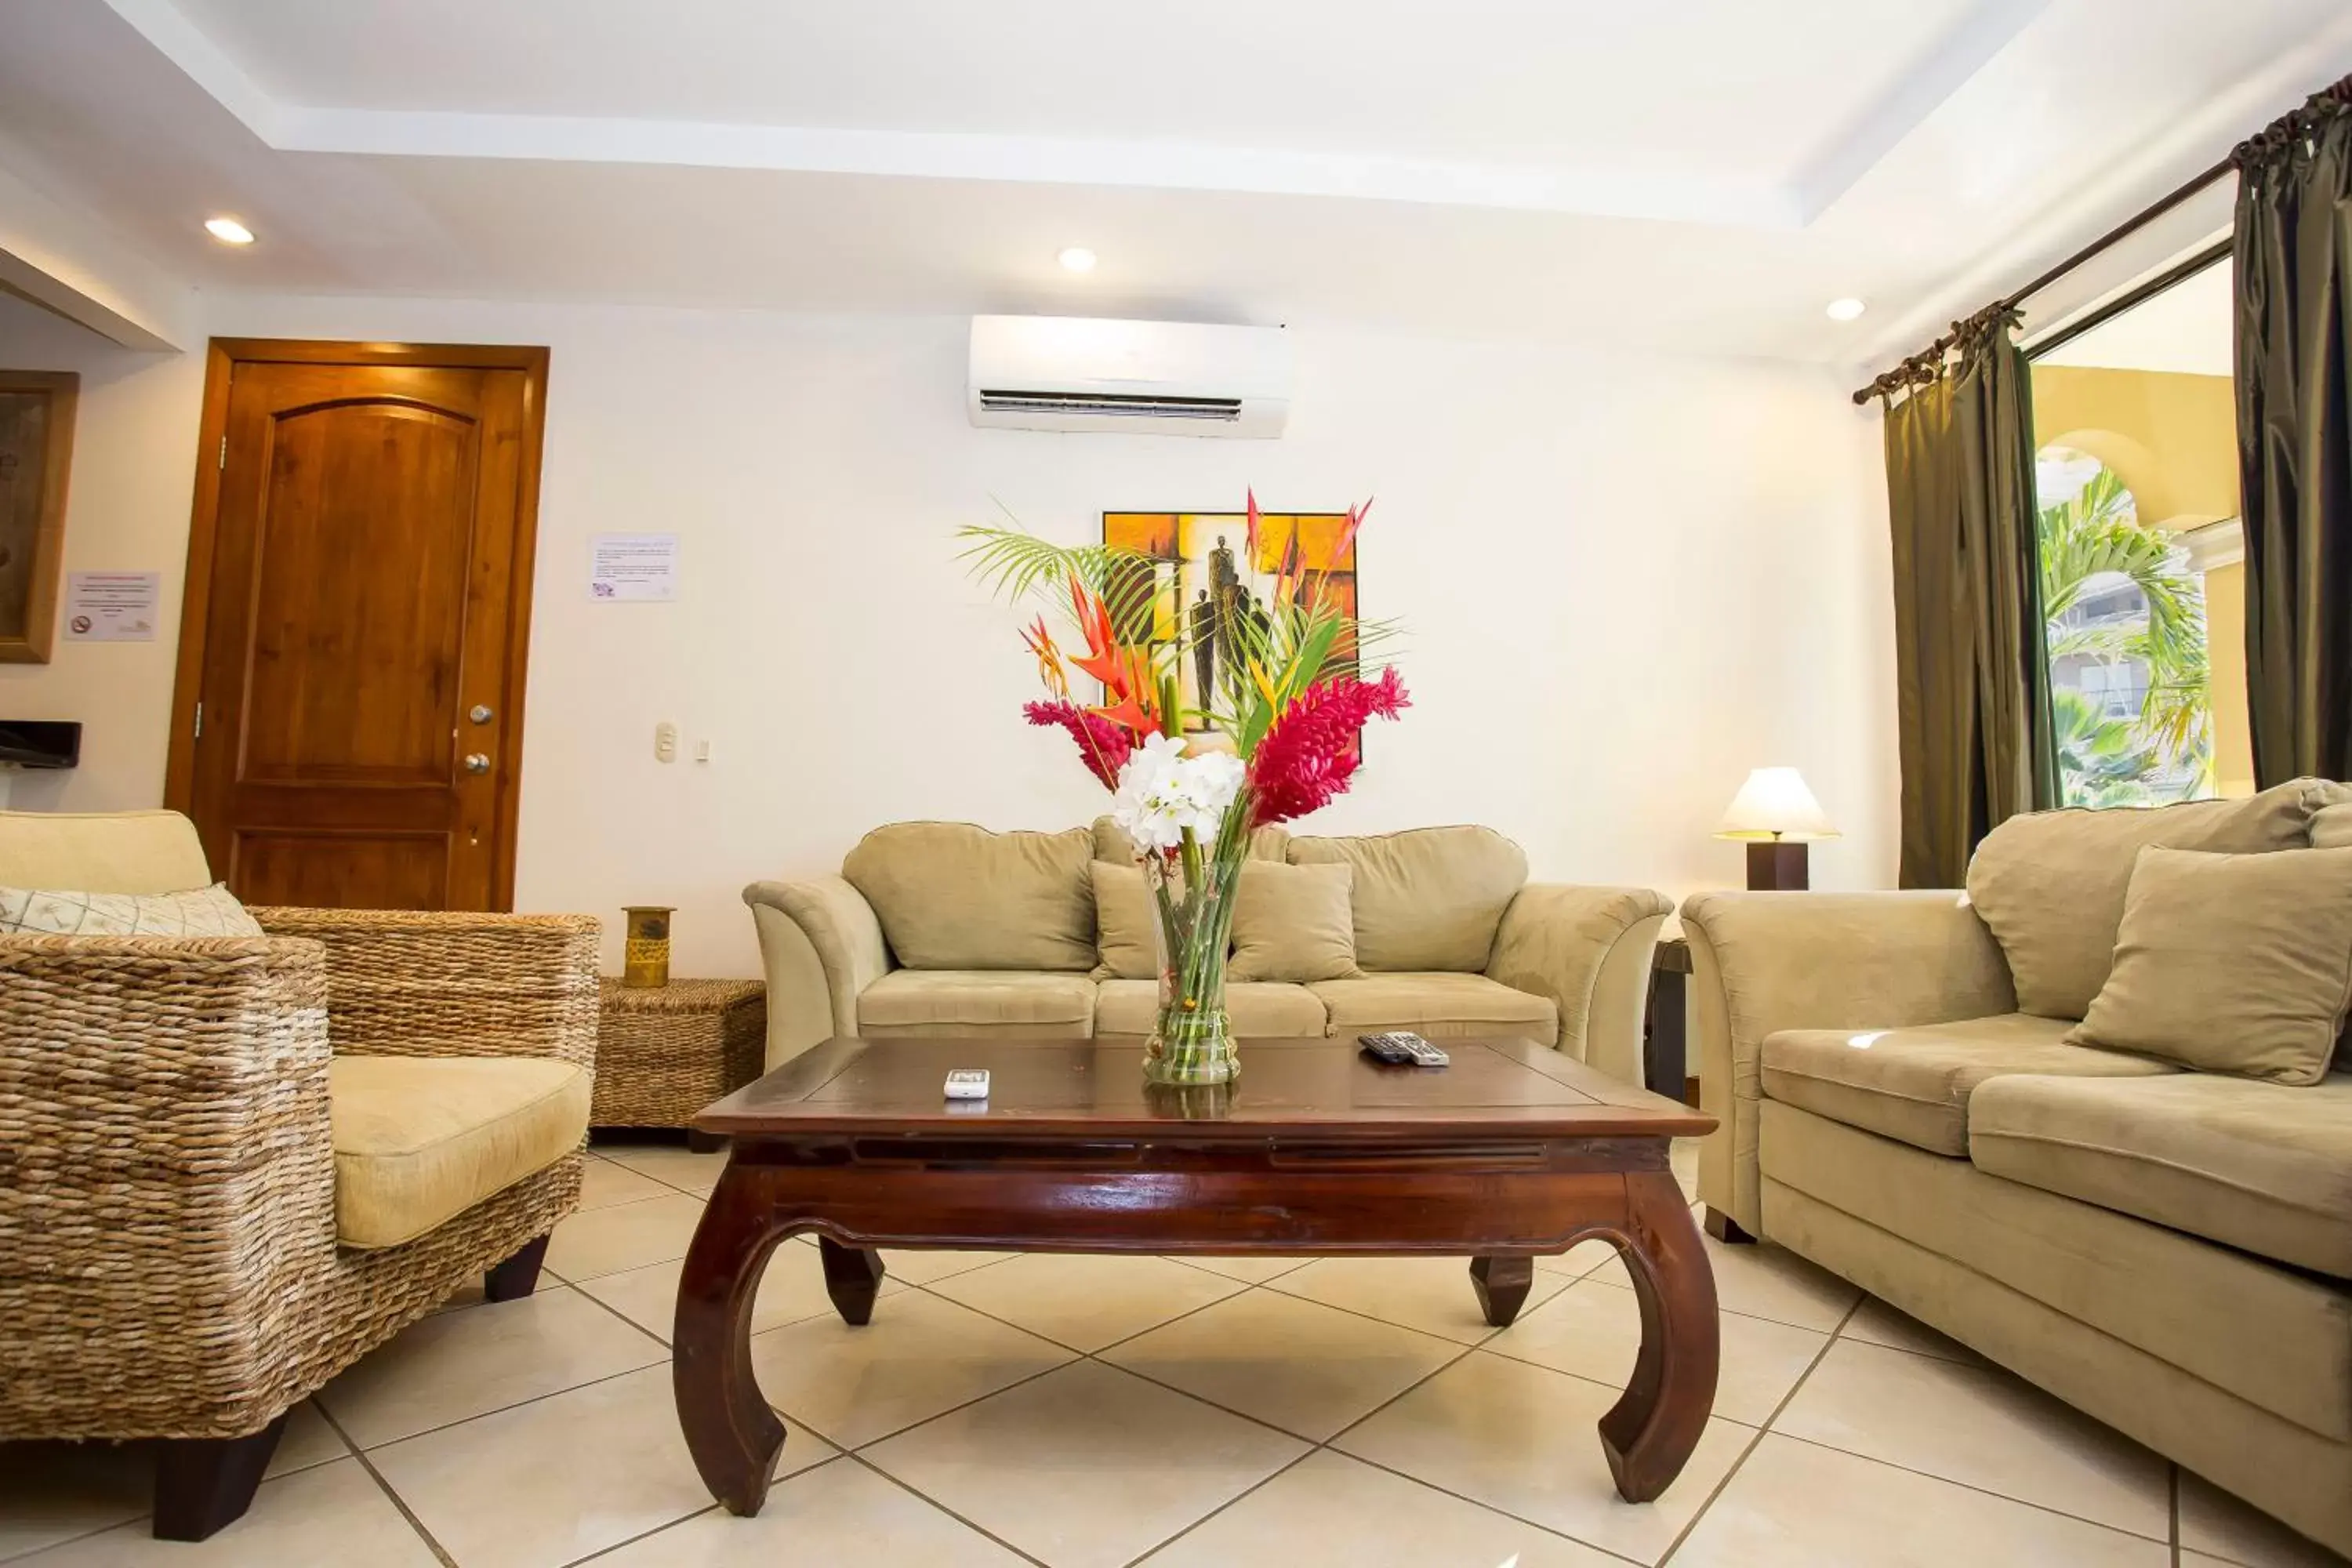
(1512, 1151)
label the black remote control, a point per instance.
(1401, 1048)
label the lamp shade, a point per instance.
(1775, 804)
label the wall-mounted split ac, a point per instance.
(1157, 378)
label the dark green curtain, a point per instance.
(2293, 267)
(1971, 667)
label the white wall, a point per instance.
(1628, 580)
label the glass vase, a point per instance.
(1191, 890)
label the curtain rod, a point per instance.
(1921, 365)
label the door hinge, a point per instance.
(224, 452)
(200, 721)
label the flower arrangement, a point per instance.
(1274, 741)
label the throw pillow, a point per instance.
(2231, 963)
(1123, 922)
(206, 912)
(2051, 884)
(1294, 922)
(952, 896)
(1428, 897)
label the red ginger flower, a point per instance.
(1102, 745)
(1308, 757)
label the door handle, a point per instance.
(479, 713)
(477, 762)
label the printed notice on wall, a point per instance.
(633, 567)
(113, 606)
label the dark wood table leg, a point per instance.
(853, 1274)
(731, 1433)
(1650, 1432)
(1502, 1284)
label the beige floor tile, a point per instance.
(546, 1483)
(308, 1440)
(1763, 1281)
(672, 1164)
(1297, 1365)
(1432, 1294)
(1086, 1467)
(1582, 1260)
(1595, 1331)
(462, 1364)
(2219, 1525)
(1875, 1322)
(1328, 1509)
(1085, 1301)
(840, 1513)
(1981, 1428)
(1793, 1505)
(603, 1183)
(1250, 1270)
(791, 1288)
(333, 1513)
(1523, 1439)
(626, 1236)
(922, 1267)
(920, 1357)
(54, 1492)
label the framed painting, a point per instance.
(37, 420)
(1207, 573)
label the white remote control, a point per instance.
(968, 1083)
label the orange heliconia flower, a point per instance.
(1040, 641)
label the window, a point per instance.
(2137, 492)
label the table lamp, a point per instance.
(1777, 815)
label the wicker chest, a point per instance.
(663, 1053)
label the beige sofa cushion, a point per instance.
(2051, 884)
(101, 852)
(2265, 1167)
(1125, 944)
(1427, 898)
(952, 896)
(1260, 1009)
(2331, 825)
(2231, 963)
(1917, 1084)
(1111, 842)
(1439, 1005)
(999, 1002)
(420, 1139)
(1293, 923)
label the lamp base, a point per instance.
(1777, 866)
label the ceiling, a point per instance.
(1695, 177)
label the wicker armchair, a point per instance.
(176, 1259)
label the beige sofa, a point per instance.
(943, 928)
(2170, 1251)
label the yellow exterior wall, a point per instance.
(2172, 439)
(2225, 652)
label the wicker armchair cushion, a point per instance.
(206, 912)
(420, 1139)
(101, 852)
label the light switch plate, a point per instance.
(665, 742)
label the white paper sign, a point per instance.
(113, 606)
(642, 567)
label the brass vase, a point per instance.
(646, 959)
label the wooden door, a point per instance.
(358, 606)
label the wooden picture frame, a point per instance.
(37, 421)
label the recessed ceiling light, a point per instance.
(1846, 309)
(228, 231)
(1078, 258)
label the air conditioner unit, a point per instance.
(1160, 378)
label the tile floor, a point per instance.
(1095, 1412)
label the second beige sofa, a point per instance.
(943, 928)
